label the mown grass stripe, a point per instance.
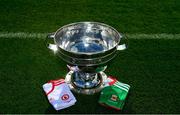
(30, 35)
(23, 35)
(154, 36)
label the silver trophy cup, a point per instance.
(86, 47)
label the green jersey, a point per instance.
(114, 95)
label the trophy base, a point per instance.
(86, 88)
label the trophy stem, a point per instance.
(86, 83)
(86, 80)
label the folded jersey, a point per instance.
(114, 94)
(59, 94)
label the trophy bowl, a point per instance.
(86, 47)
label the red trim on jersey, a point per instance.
(55, 83)
(113, 80)
(50, 90)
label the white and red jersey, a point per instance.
(59, 94)
(110, 81)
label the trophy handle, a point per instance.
(123, 43)
(50, 42)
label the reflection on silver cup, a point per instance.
(86, 47)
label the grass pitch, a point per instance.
(149, 66)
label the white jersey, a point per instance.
(59, 94)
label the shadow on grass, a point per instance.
(88, 104)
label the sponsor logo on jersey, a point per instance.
(114, 97)
(65, 97)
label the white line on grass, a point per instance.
(28, 35)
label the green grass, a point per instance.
(151, 67)
(127, 16)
